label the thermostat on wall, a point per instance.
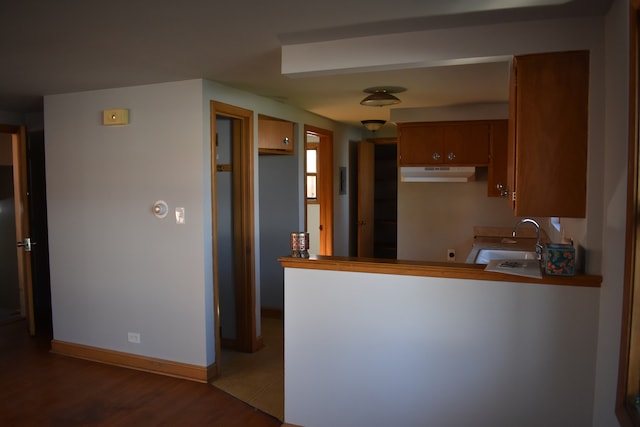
(119, 116)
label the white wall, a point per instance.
(434, 217)
(115, 267)
(279, 209)
(420, 351)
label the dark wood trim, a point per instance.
(628, 374)
(203, 374)
(431, 269)
(382, 141)
(272, 313)
(9, 129)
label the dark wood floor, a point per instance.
(44, 389)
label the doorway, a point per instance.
(24, 273)
(319, 189)
(373, 198)
(249, 377)
(233, 228)
(12, 297)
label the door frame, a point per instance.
(628, 369)
(243, 229)
(325, 185)
(21, 197)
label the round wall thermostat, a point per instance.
(160, 209)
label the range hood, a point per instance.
(437, 174)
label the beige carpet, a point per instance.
(257, 378)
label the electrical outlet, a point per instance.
(451, 254)
(133, 337)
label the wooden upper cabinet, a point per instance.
(548, 134)
(443, 143)
(420, 144)
(497, 179)
(275, 136)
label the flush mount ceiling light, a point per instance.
(381, 96)
(373, 125)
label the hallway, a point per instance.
(257, 378)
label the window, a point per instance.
(312, 172)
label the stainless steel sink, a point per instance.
(486, 255)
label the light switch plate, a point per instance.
(119, 116)
(179, 215)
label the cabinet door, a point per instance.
(275, 136)
(466, 144)
(497, 180)
(550, 131)
(420, 144)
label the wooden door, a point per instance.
(22, 235)
(497, 181)
(511, 139)
(366, 187)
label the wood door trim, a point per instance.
(325, 188)
(244, 229)
(627, 366)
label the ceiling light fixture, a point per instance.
(381, 96)
(373, 125)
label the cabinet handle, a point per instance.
(502, 189)
(285, 140)
(451, 156)
(436, 156)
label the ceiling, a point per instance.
(50, 48)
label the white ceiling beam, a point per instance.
(439, 47)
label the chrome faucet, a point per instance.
(537, 226)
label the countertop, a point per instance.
(452, 270)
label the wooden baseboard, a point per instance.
(203, 374)
(272, 313)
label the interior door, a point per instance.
(366, 187)
(22, 239)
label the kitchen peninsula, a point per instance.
(388, 342)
